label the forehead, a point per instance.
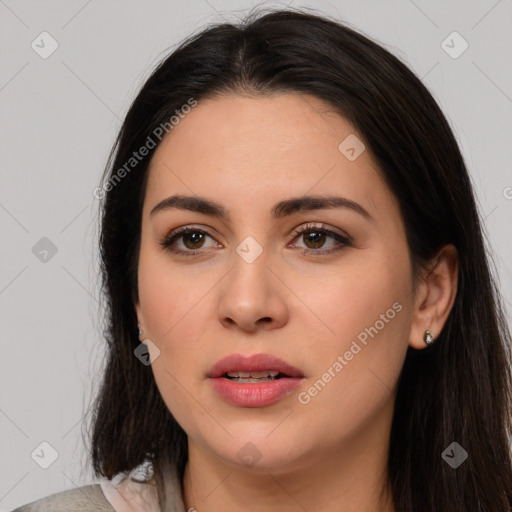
(260, 149)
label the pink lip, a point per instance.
(253, 394)
(254, 363)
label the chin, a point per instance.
(260, 452)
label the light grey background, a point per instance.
(59, 118)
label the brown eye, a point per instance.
(186, 241)
(315, 238)
(193, 239)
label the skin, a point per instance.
(248, 153)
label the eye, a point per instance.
(315, 237)
(191, 239)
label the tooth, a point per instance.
(253, 375)
(258, 375)
(262, 375)
(244, 375)
(253, 381)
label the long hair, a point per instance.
(456, 390)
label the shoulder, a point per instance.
(82, 499)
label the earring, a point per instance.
(140, 331)
(428, 338)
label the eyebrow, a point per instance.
(280, 210)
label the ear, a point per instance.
(435, 295)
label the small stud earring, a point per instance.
(428, 338)
(140, 331)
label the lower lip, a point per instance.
(254, 394)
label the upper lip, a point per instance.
(255, 363)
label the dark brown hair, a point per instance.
(458, 389)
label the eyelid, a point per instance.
(342, 238)
(175, 234)
(322, 227)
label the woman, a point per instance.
(289, 227)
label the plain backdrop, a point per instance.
(59, 116)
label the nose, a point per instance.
(252, 297)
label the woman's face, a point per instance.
(335, 302)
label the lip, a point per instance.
(253, 394)
(255, 363)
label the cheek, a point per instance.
(355, 297)
(366, 315)
(172, 300)
(176, 315)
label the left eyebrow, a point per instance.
(280, 210)
(309, 203)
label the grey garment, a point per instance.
(90, 498)
(87, 498)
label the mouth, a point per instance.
(254, 377)
(253, 381)
(256, 366)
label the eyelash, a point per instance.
(167, 242)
